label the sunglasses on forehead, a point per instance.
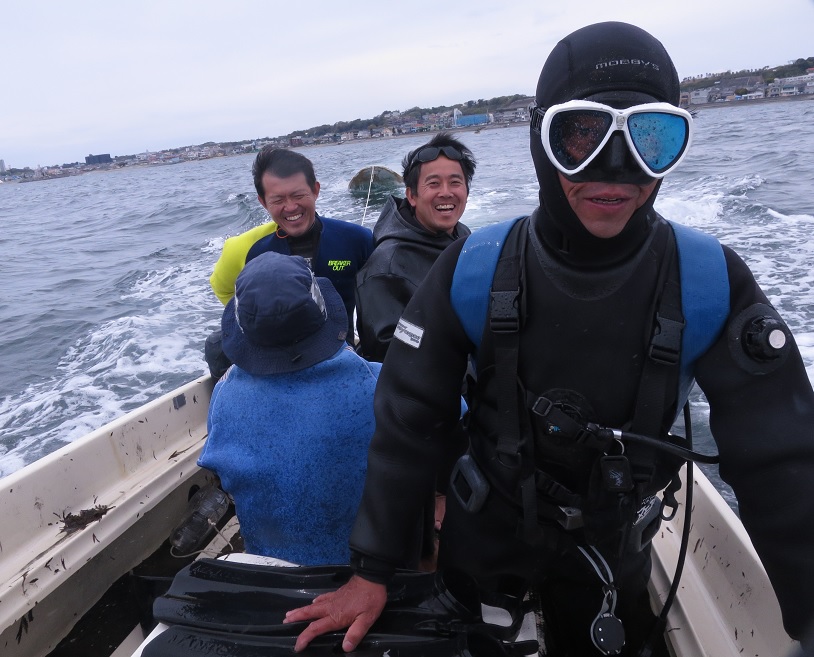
(430, 153)
(574, 133)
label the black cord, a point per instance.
(661, 621)
(676, 450)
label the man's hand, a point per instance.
(356, 605)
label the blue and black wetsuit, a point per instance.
(335, 250)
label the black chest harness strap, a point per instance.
(514, 450)
(656, 395)
(657, 390)
(515, 446)
(658, 386)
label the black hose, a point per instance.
(661, 621)
(676, 450)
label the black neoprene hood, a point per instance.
(617, 64)
(609, 59)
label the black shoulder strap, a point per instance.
(658, 385)
(505, 321)
(657, 388)
(506, 314)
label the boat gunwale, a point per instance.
(38, 555)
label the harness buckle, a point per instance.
(469, 484)
(542, 406)
(665, 345)
(570, 518)
(504, 315)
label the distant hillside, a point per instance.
(767, 74)
(480, 106)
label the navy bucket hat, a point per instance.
(282, 319)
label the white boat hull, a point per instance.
(142, 467)
(725, 604)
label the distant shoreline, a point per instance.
(517, 124)
(472, 128)
(407, 135)
(752, 101)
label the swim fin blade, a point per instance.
(236, 597)
(182, 641)
(219, 603)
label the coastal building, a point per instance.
(471, 119)
(391, 118)
(518, 111)
(798, 84)
(752, 95)
(700, 96)
(788, 89)
(98, 159)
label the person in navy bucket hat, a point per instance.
(274, 328)
(291, 420)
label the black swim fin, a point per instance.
(237, 597)
(182, 641)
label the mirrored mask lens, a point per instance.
(575, 135)
(659, 138)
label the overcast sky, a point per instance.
(100, 76)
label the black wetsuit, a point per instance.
(403, 253)
(584, 333)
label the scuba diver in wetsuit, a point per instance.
(593, 276)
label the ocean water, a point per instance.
(106, 301)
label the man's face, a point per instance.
(441, 194)
(605, 208)
(290, 202)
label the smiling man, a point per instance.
(586, 324)
(288, 189)
(410, 235)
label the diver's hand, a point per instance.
(356, 605)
